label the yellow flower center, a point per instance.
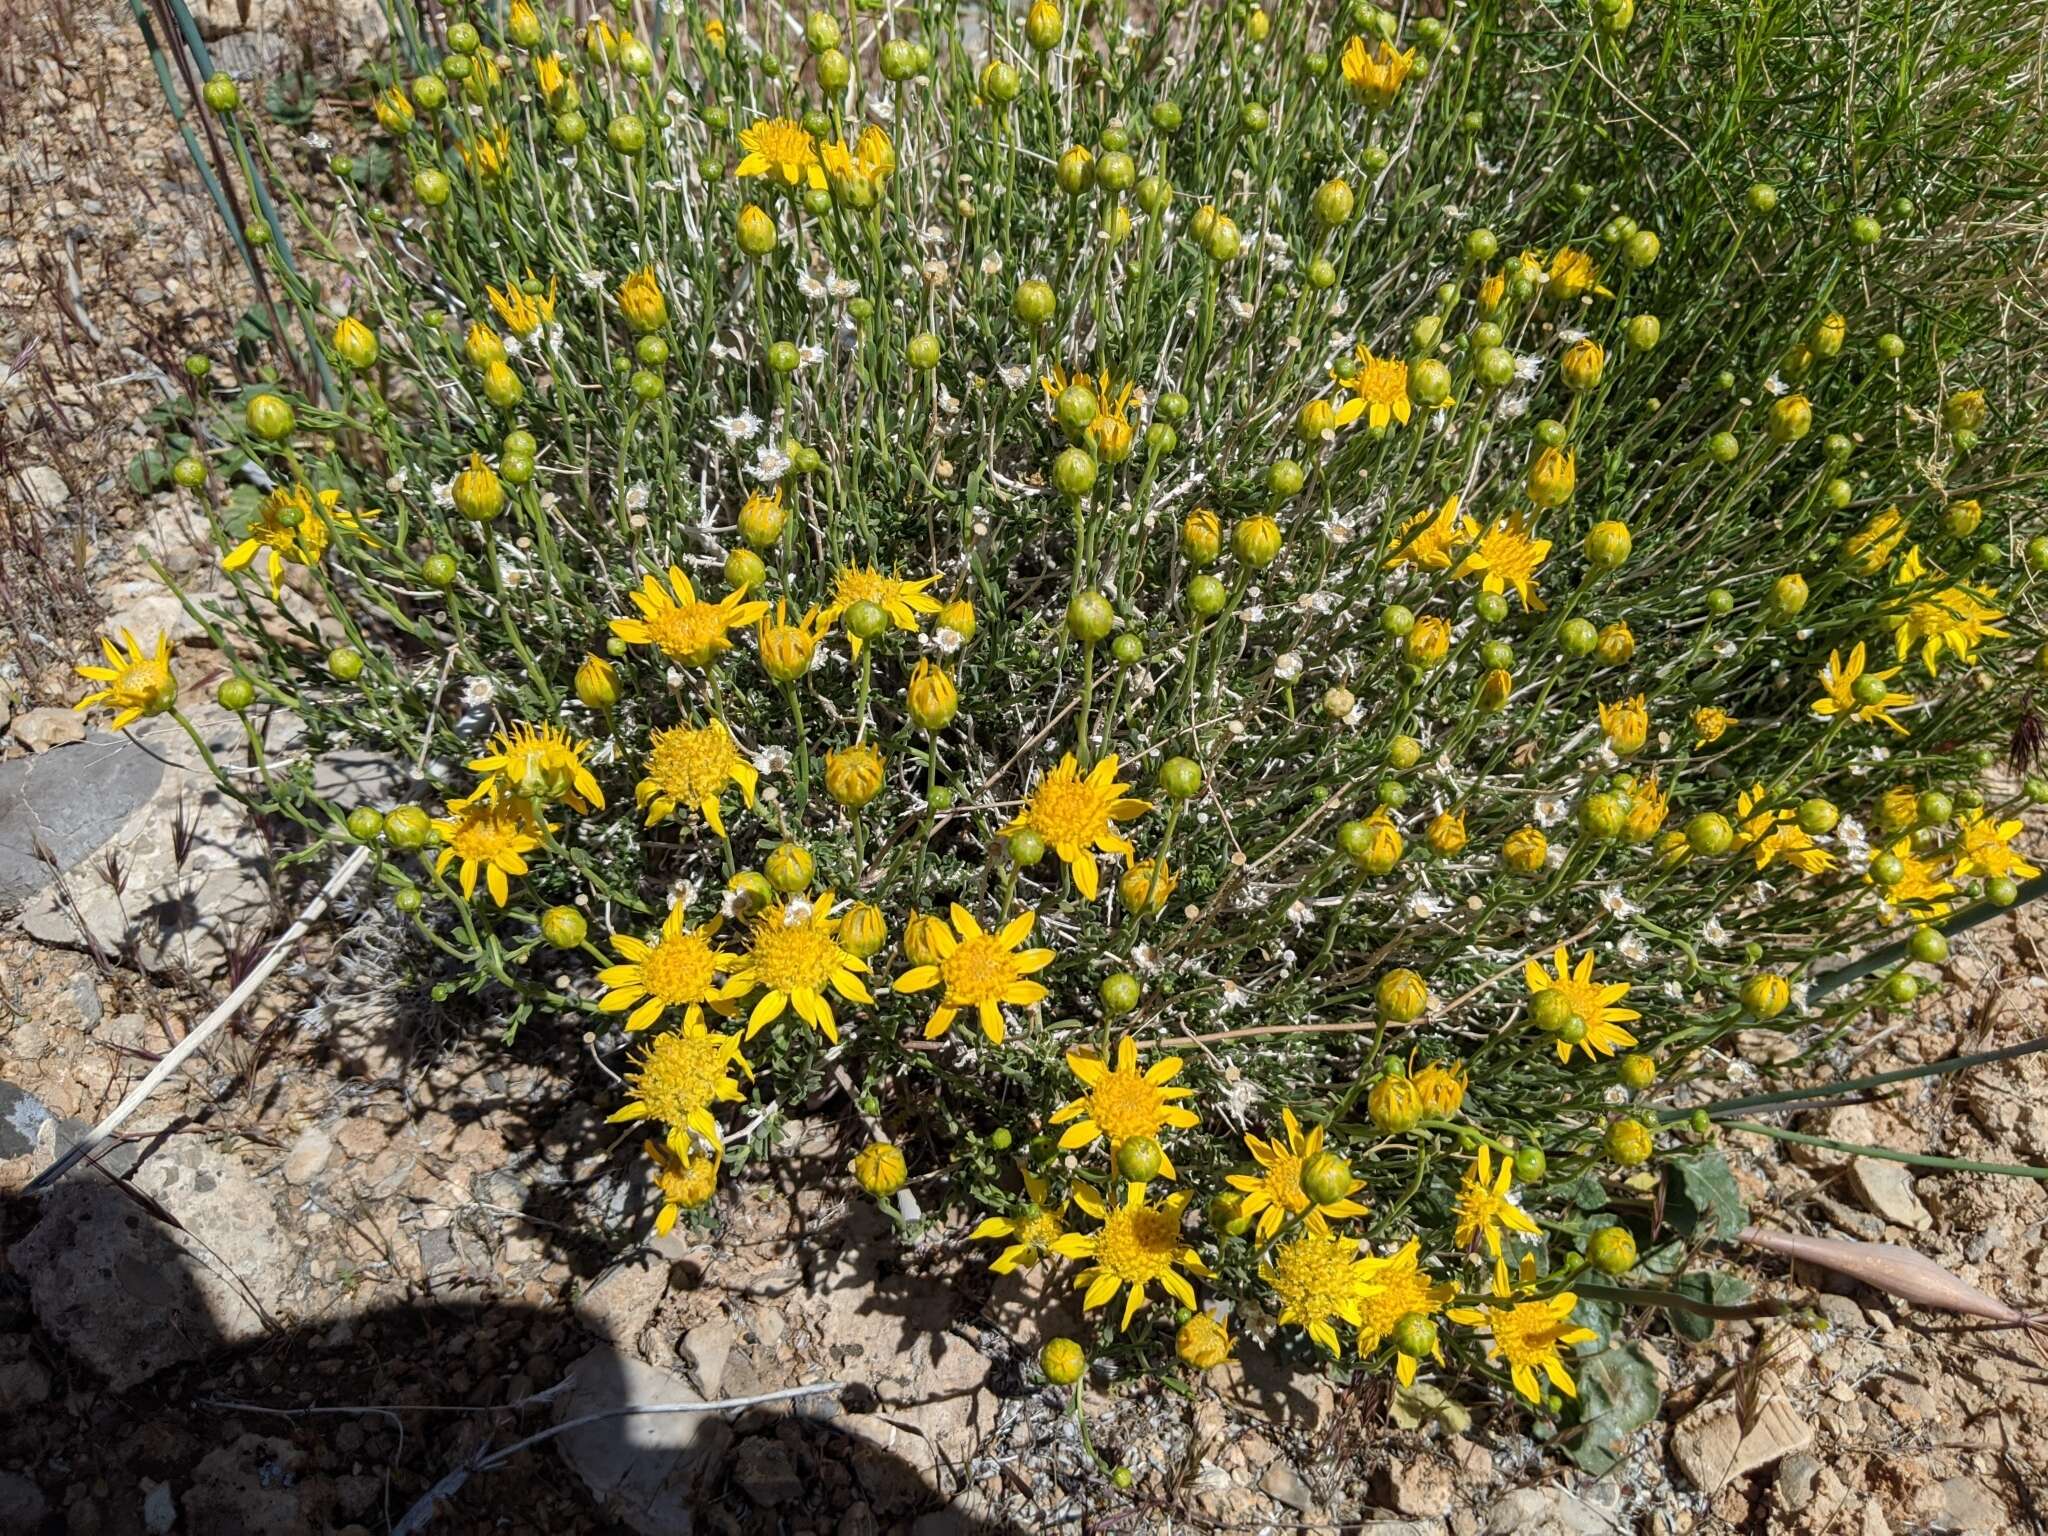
(690, 1185)
(1138, 1243)
(1125, 1105)
(1282, 1182)
(1039, 1230)
(689, 631)
(680, 1074)
(1395, 1294)
(1067, 813)
(782, 142)
(792, 957)
(487, 831)
(1313, 1277)
(1508, 554)
(863, 586)
(978, 971)
(692, 766)
(679, 970)
(1380, 381)
(1524, 1334)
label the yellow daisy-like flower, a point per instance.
(1390, 1289)
(1771, 835)
(979, 970)
(1506, 557)
(682, 627)
(1139, 1244)
(1111, 430)
(902, 600)
(1571, 274)
(487, 155)
(1648, 806)
(1379, 390)
(680, 969)
(1484, 1207)
(1869, 548)
(1528, 1335)
(1030, 1234)
(690, 768)
(1838, 683)
(540, 762)
(291, 530)
(523, 312)
(138, 685)
(795, 960)
(490, 835)
(684, 1177)
(1592, 1003)
(679, 1076)
(1274, 1193)
(1441, 1088)
(1429, 539)
(1986, 850)
(1316, 1278)
(1710, 724)
(1077, 817)
(549, 75)
(1123, 1102)
(1627, 724)
(1375, 78)
(1956, 619)
(1920, 891)
(868, 162)
(780, 146)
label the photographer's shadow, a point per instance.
(424, 1416)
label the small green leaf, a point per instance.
(1714, 1286)
(1702, 1200)
(1617, 1396)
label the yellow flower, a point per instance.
(1771, 835)
(678, 970)
(854, 776)
(1710, 724)
(1592, 1003)
(1111, 429)
(1986, 848)
(289, 530)
(685, 1178)
(979, 970)
(787, 649)
(394, 111)
(1077, 816)
(902, 600)
(714, 32)
(795, 959)
(138, 686)
(1147, 886)
(1029, 1234)
(1920, 888)
(1376, 78)
(1379, 390)
(492, 835)
(1955, 619)
(678, 1077)
(1525, 850)
(523, 312)
(640, 301)
(690, 768)
(540, 762)
(685, 629)
(1390, 1289)
(1867, 550)
(1492, 289)
(487, 156)
(1898, 808)
(1315, 1276)
(1138, 1244)
(1506, 558)
(1553, 476)
(1441, 1088)
(1446, 834)
(1274, 1193)
(1573, 273)
(1648, 806)
(1627, 724)
(1123, 1102)
(1484, 1207)
(1528, 1335)
(881, 1169)
(549, 75)
(1202, 1342)
(865, 165)
(1838, 682)
(1429, 538)
(779, 146)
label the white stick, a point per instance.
(98, 1135)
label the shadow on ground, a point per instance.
(344, 1427)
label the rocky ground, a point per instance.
(356, 1248)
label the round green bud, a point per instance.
(1326, 1178)
(1026, 847)
(563, 927)
(1138, 1159)
(1090, 617)
(1612, 1250)
(1120, 993)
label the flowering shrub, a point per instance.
(1261, 633)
